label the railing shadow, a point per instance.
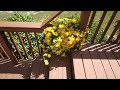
(62, 64)
(36, 68)
(41, 71)
(10, 71)
(107, 49)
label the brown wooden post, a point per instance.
(84, 17)
(98, 27)
(5, 44)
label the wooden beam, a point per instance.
(29, 41)
(14, 43)
(39, 48)
(5, 44)
(1, 56)
(21, 26)
(92, 18)
(84, 17)
(22, 43)
(10, 24)
(3, 52)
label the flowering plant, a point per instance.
(63, 36)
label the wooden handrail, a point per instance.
(21, 26)
(27, 26)
(8, 26)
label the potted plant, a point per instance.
(63, 36)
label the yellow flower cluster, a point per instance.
(62, 36)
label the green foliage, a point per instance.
(20, 17)
(92, 31)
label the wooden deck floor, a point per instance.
(96, 61)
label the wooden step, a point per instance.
(39, 70)
(60, 67)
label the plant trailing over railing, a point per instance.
(63, 36)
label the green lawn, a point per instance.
(41, 15)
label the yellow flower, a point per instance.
(66, 33)
(51, 46)
(77, 39)
(58, 52)
(57, 45)
(55, 33)
(76, 33)
(35, 49)
(71, 38)
(71, 46)
(87, 30)
(46, 62)
(48, 35)
(54, 27)
(80, 46)
(62, 36)
(46, 40)
(81, 35)
(62, 31)
(45, 50)
(69, 42)
(43, 46)
(83, 41)
(45, 54)
(61, 26)
(49, 55)
(54, 23)
(63, 55)
(44, 32)
(59, 39)
(71, 29)
(74, 20)
(54, 40)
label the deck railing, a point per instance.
(6, 50)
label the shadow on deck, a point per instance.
(98, 61)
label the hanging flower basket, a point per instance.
(61, 37)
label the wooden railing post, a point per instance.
(6, 45)
(84, 17)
